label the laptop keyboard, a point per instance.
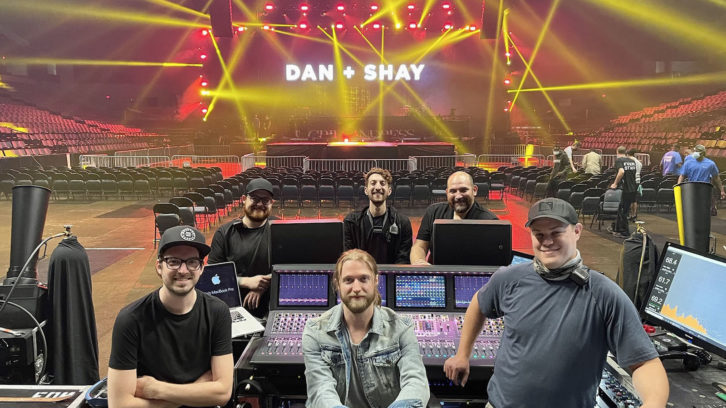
(236, 316)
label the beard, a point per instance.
(358, 305)
(377, 197)
(462, 205)
(172, 286)
(257, 213)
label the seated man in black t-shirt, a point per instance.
(460, 204)
(244, 241)
(173, 346)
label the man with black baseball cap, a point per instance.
(244, 241)
(560, 321)
(173, 347)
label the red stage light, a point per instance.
(471, 27)
(506, 109)
(507, 81)
(269, 6)
(339, 26)
(204, 83)
(412, 26)
(340, 7)
(204, 110)
(203, 56)
(346, 140)
(376, 26)
(303, 25)
(446, 5)
(205, 32)
(507, 54)
(448, 26)
(411, 7)
(304, 7)
(374, 7)
(266, 27)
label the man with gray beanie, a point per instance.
(173, 347)
(560, 321)
(244, 241)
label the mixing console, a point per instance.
(615, 392)
(437, 333)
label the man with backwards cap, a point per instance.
(173, 347)
(244, 241)
(560, 321)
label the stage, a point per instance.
(360, 150)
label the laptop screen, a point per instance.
(220, 280)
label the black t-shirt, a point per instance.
(444, 211)
(169, 347)
(248, 248)
(376, 244)
(628, 181)
(561, 164)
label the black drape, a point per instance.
(73, 343)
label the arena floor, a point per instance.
(118, 236)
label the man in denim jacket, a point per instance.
(359, 354)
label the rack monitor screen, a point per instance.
(686, 297)
(303, 289)
(471, 242)
(305, 241)
(420, 291)
(465, 286)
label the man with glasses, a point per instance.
(173, 347)
(244, 241)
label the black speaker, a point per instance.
(491, 19)
(220, 15)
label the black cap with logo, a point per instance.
(184, 235)
(259, 184)
(554, 208)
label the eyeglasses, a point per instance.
(263, 200)
(175, 263)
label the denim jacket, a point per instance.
(389, 362)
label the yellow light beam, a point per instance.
(656, 16)
(236, 59)
(97, 14)
(425, 11)
(535, 50)
(71, 61)
(539, 84)
(713, 77)
(14, 127)
(178, 7)
(335, 43)
(388, 6)
(228, 76)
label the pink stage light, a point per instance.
(205, 32)
(303, 26)
(446, 5)
(339, 26)
(204, 83)
(304, 7)
(374, 7)
(448, 26)
(203, 56)
(204, 110)
(266, 27)
(376, 26)
(411, 7)
(340, 7)
(507, 54)
(471, 27)
(412, 26)
(269, 6)
(507, 81)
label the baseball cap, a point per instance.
(554, 208)
(259, 184)
(700, 148)
(184, 235)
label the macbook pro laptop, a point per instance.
(220, 280)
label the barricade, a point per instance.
(463, 160)
(230, 165)
(97, 160)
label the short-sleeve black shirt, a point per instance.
(628, 181)
(444, 211)
(169, 347)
